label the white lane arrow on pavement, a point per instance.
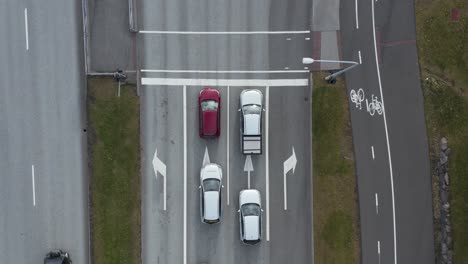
(248, 167)
(289, 164)
(206, 157)
(160, 167)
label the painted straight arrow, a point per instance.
(160, 167)
(289, 164)
(248, 167)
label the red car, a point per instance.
(209, 110)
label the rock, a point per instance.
(444, 197)
(443, 144)
(443, 158)
(446, 178)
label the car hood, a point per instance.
(211, 205)
(210, 122)
(252, 227)
(251, 97)
(249, 196)
(211, 171)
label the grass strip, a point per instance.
(443, 57)
(336, 216)
(114, 143)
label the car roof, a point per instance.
(252, 227)
(211, 205)
(251, 96)
(210, 122)
(249, 196)
(211, 171)
(252, 124)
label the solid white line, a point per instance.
(26, 27)
(248, 180)
(223, 32)
(227, 147)
(360, 58)
(184, 104)
(224, 82)
(215, 71)
(357, 16)
(378, 247)
(373, 155)
(285, 192)
(377, 203)
(267, 162)
(386, 133)
(33, 185)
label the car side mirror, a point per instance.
(238, 211)
(238, 110)
(199, 187)
(222, 186)
(264, 110)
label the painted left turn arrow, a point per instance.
(160, 167)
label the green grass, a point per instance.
(443, 52)
(114, 143)
(442, 43)
(336, 227)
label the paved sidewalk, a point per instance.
(326, 33)
(111, 44)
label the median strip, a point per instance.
(114, 143)
(336, 227)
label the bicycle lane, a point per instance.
(369, 138)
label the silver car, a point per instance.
(211, 177)
(251, 108)
(250, 216)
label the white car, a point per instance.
(250, 216)
(251, 108)
(211, 177)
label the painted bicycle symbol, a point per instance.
(357, 98)
(374, 106)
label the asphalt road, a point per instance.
(395, 167)
(287, 234)
(42, 117)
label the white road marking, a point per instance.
(360, 58)
(224, 82)
(289, 164)
(248, 167)
(386, 134)
(286, 68)
(33, 185)
(164, 32)
(306, 67)
(377, 203)
(373, 155)
(26, 27)
(184, 104)
(206, 157)
(288, 38)
(307, 38)
(267, 162)
(357, 15)
(227, 147)
(215, 71)
(160, 167)
(378, 244)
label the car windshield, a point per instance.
(252, 109)
(211, 185)
(209, 105)
(250, 209)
